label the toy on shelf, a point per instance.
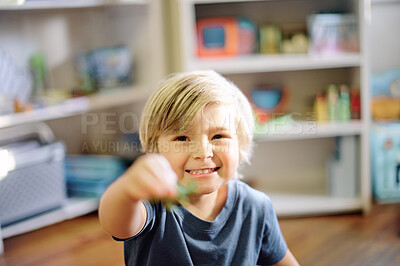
(269, 101)
(294, 38)
(386, 95)
(385, 160)
(225, 36)
(15, 85)
(286, 39)
(270, 39)
(336, 104)
(104, 68)
(38, 68)
(333, 33)
(355, 103)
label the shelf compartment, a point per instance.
(73, 208)
(312, 130)
(33, 5)
(273, 63)
(76, 106)
(308, 204)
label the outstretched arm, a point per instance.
(121, 212)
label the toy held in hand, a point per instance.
(183, 195)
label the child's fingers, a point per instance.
(151, 176)
(169, 175)
(163, 173)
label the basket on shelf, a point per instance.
(90, 175)
(31, 172)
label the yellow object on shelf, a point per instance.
(386, 108)
(320, 108)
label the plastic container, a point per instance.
(90, 175)
(385, 155)
(32, 179)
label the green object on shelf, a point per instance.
(38, 68)
(332, 101)
(344, 103)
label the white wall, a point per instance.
(385, 35)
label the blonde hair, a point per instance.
(179, 98)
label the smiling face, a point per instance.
(208, 152)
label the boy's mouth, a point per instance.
(203, 171)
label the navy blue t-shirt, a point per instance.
(245, 232)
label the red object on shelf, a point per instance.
(355, 104)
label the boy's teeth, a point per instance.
(202, 171)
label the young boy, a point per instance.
(195, 128)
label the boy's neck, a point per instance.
(207, 207)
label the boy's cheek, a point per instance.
(163, 147)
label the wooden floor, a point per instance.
(330, 240)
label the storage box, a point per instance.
(385, 161)
(333, 33)
(90, 175)
(33, 182)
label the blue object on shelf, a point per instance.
(386, 83)
(266, 98)
(385, 161)
(90, 175)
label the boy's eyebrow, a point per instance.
(213, 129)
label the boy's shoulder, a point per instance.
(247, 194)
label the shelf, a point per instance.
(117, 97)
(73, 208)
(76, 106)
(43, 4)
(221, 1)
(272, 63)
(297, 130)
(298, 204)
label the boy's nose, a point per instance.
(203, 151)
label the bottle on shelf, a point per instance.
(320, 108)
(332, 102)
(344, 103)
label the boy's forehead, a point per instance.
(215, 116)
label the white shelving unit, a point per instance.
(299, 151)
(43, 4)
(63, 29)
(77, 106)
(271, 63)
(298, 130)
(74, 207)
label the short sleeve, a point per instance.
(150, 209)
(273, 247)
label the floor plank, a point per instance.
(351, 239)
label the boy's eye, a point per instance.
(218, 136)
(181, 138)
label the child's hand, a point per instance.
(150, 176)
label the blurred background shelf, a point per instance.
(271, 63)
(292, 154)
(74, 207)
(42, 4)
(311, 130)
(75, 106)
(308, 204)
